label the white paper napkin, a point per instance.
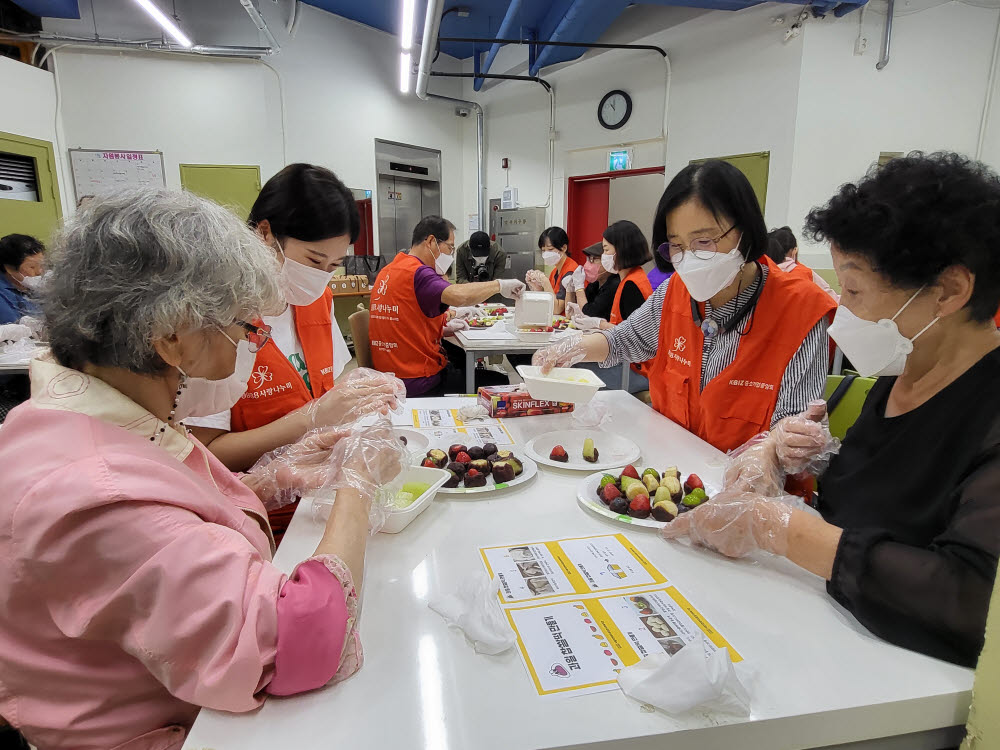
(475, 609)
(688, 679)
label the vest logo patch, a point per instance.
(262, 375)
(680, 344)
(383, 286)
(752, 384)
(387, 346)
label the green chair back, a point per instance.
(845, 413)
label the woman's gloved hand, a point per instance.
(580, 278)
(511, 288)
(569, 283)
(14, 332)
(587, 322)
(536, 280)
(803, 442)
(737, 523)
(360, 392)
(565, 353)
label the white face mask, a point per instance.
(32, 282)
(442, 263)
(301, 284)
(704, 278)
(550, 257)
(201, 397)
(875, 348)
(608, 261)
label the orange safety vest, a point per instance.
(641, 280)
(275, 387)
(569, 265)
(404, 341)
(740, 401)
(801, 271)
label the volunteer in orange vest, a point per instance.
(554, 244)
(736, 343)
(783, 249)
(409, 309)
(307, 215)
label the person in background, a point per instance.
(478, 259)
(594, 287)
(554, 244)
(309, 219)
(909, 533)
(661, 271)
(727, 308)
(410, 315)
(783, 249)
(624, 251)
(136, 582)
(21, 257)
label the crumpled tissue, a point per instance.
(689, 679)
(475, 609)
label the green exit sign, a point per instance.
(619, 160)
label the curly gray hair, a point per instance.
(140, 265)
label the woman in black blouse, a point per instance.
(597, 297)
(910, 529)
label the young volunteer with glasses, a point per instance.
(309, 218)
(735, 345)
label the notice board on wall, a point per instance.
(96, 171)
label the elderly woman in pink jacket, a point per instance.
(136, 582)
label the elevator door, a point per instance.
(402, 203)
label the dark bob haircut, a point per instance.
(556, 236)
(306, 203)
(726, 193)
(14, 248)
(432, 226)
(780, 242)
(631, 247)
(916, 216)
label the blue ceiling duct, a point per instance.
(51, 8)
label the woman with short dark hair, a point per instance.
(736, 344)
(21, 261)
(910, 530)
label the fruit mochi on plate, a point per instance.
(652, 498)
(582, 450)
(475, 467)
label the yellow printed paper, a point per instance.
(580, 646)
(431, 418)
(544, 570)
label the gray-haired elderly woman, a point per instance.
(136, 582)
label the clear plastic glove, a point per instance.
(14, 332)
(569, 284)
(587, 322)
(737, 523)
(360, 392)
(511, 288)
(572, 309)
(580, 278)
(566, 352)
(465, 313)
(535, 280)
(754, 467)
(454, 326)
(35, 325)
(803, 443)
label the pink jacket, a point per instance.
(136, 582)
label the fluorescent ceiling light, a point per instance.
(406, 35)
(165, 23)
(404, 72)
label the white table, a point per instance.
(477, 348)
(822, 680)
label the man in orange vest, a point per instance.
(409, 308)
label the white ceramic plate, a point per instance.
(530, 469)
(612, 450)
(586, 495)
(416, 441)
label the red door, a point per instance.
(586, 213)
(365, 243)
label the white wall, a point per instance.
(29, 107)
(929, 97)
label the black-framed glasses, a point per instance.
(703, 247)
(258, 334)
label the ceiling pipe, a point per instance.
(203, 50)
(506, 26)
(481, 202)
(432, 25)
(261, 24)
(886, 36)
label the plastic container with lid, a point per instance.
(534, 309)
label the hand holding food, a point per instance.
(511, 288)
(803, 439)
(735, 524)
(535, 280)
(564, 353)
(587, 322)
(360, 392)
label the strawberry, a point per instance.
(639, 507)
(609, 493)
(429, 463)
(559, 454)
(549, 329)
(472, 473)
(463, 458)
(629, 471)
(693, 482)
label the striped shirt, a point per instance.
(636, 339)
